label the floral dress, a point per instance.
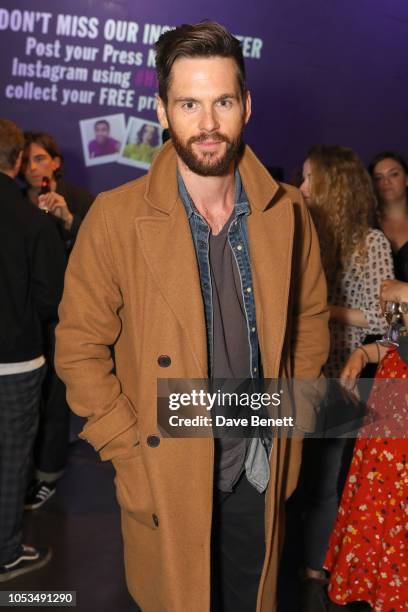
(358, 286)
(368, 551)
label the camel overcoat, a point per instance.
(132, 295)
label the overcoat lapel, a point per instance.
(271, 260)
(168, 248)
(271, 231)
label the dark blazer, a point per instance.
(32, 266)
(79, 200)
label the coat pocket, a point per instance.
(132, 487)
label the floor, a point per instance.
(291, 562)
(81, 524)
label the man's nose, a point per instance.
(209, 120)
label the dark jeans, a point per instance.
(238, 548)
(19, 407)
(321, 483)
(52, 441)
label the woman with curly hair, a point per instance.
(356, 259)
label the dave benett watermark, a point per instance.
(220, 400)
(247, 408)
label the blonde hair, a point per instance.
(343, 204)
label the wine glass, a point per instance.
(392, 313)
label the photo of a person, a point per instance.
(102, 138)
(146, 145)
(142, 143)
(103, 144)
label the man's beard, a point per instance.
(210, 164)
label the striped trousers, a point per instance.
(19, 411)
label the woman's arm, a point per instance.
(348, 316)
(378, 267)
(369, 353)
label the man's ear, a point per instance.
(161, 113)
(247, 107)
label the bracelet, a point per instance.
(365, 353)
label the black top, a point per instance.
(401, 263)
(79, 200)
(401, 273)
(32, 265)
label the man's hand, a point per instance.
(55, 204)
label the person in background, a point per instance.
(368, 552)
(356, 259)
(389, 172)
(67, 206)
(65, 202)
(32, 263)
(146, 145)
(103, 143)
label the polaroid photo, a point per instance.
(102, 138)
(142, 142)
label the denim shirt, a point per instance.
(256, 461)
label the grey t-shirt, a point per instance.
(231, 352)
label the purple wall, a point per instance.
(329, 71)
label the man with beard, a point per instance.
(203, 268)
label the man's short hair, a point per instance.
(102, 122)
(204, 39)
(11, 144)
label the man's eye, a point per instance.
(225, 103)
(189, 105)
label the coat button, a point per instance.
(155, 520)
(164, 361)
(153, 441)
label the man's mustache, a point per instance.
(204, 137)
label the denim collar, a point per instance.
(241, 199)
